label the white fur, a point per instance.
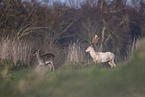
(50, 64)
(100, 57)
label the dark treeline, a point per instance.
(57, 25)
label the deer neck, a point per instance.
(93, 53)
(38, 58)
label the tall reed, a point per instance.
(17, 51)
(75, 53)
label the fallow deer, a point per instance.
(100, 57)
(45, 59)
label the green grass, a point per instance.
(126, 80)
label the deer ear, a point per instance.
(96, 35)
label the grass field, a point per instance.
(126, 80)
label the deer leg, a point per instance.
(53, 68)
(113, 63)
(43, 66)
(110, 64)
(95, 61)
(49, 67)
(52, 65)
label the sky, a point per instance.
(64, 1)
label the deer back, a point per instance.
(48, 56)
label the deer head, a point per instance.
(89, 48)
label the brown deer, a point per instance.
(45, 59)
(100, 57)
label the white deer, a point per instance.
(45, 59)
(100, 57)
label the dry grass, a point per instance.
(16, 51)
(75, 53)
(133, 47)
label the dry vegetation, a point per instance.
(75, 53)
(57, 27)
